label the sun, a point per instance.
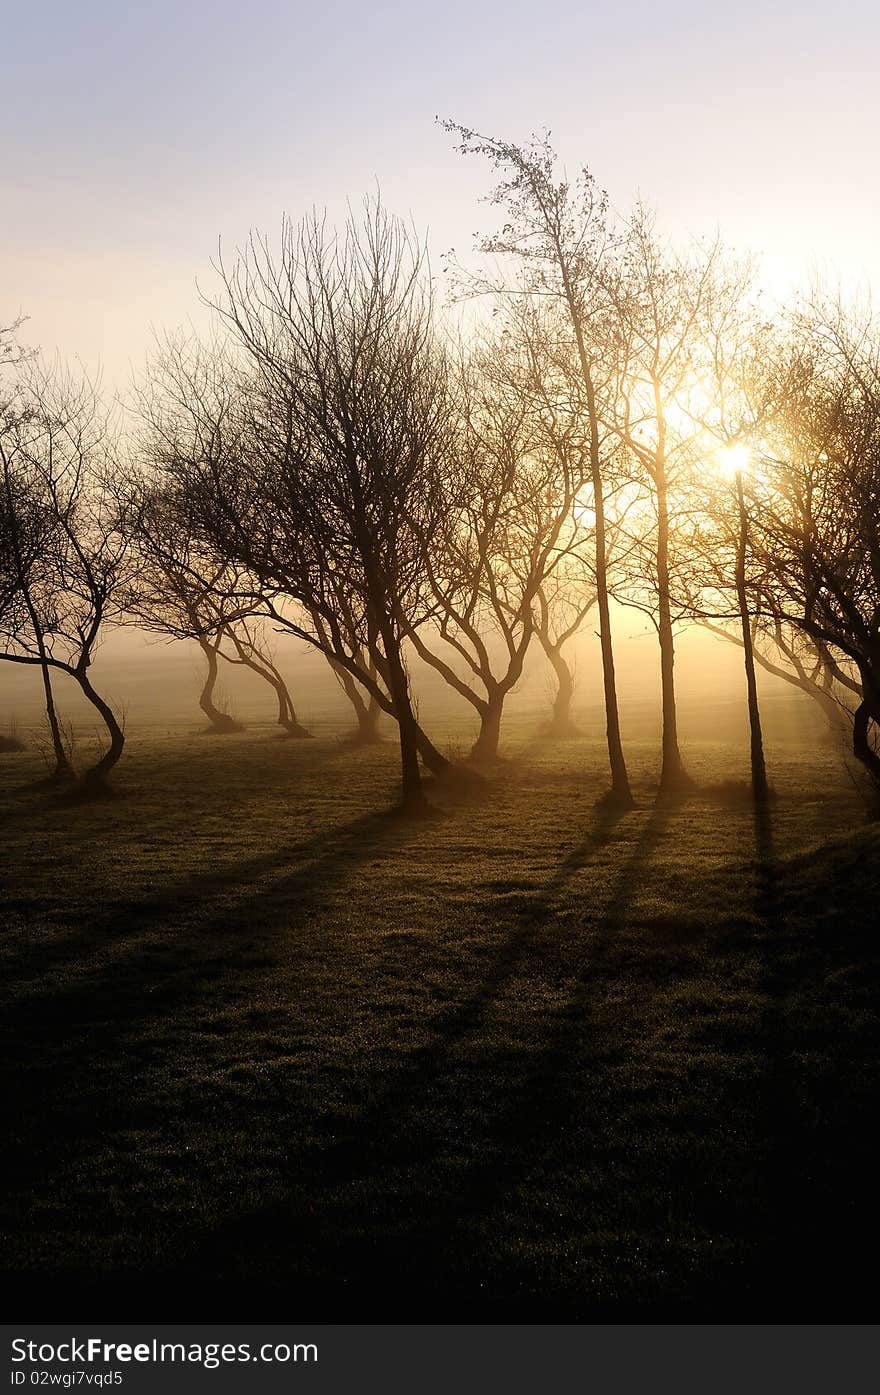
(734, 460)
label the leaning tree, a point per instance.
(515, 523)
(61, 469)
(25, 540)
(181, 593)
(330, 463)
(815, 505)
(24, 529)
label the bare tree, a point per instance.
(178, 593)
(24, 528)
(815, 505)
(181, 593)
(25, 533)
(514, 525)
(241, 644)
(661, 301)
(323, 456)
(731, 397)
(561, 613)
(365, 704)
(784, 652)
(557, 236)
(60, 463)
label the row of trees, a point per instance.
(336, 464)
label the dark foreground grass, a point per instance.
(272, 1053)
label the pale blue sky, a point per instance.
(135, 134)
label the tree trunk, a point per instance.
(835, 715)
(95, 779)
(485, 748)
(620, 794)
(221, 722)
(63, 768)
(287, 717)
(461, 775)
(862, 748)
(561, 724)
(368, 717)
(366, 710)
(432, 759)
(759, 770)
(760, 787)
(672, 773)
(413, 799)
(263, 666)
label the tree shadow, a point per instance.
(427, 1250)
(765, 861)
(384, 1201)
(819, 955)
(214, 935)
(418, 1255)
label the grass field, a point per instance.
(274, 1053)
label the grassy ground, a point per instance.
(272, 1053)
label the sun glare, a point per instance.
(734, 460)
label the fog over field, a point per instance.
(157, 685)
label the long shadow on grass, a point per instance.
(72, 1068)
(819, 954)
(372, 1216)
(396, 1213)
(127, 924)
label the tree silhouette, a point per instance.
(61, 468)
(556, 236)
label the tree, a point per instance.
(740, 397)
(366, 705)
(562, 610)
(568, 595)
(514, 524)
(247, 648)
(24, 541)
(661, 300)
(60, 467)
(786, 653)
(816, 504)
(176, 593)
(557, 237)
(180, 593)
(23, 530)
(318, 455)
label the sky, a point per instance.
(137, 135)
